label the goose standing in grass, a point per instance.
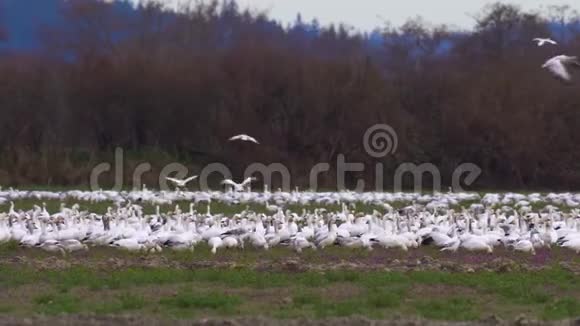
(233, 242)
(525, 246)
(130, 244)
(52, 246)
(73, 245)
(476, 244)
(573, 244)
(300, 243)
(452, 245)
(327, 239)
(215, 243)
(272, 208)
(258, 240)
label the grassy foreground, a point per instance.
(164, 292)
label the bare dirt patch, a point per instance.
(288, 261)
(441, 291)
(128, 320)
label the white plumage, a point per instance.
(244, 137)
(543, 41)
(126, 226)
(559, 65)
(181, 183)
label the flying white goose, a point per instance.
(181, 183)
(558, 66)
(542, 41)
(244, 137)
(238, 186)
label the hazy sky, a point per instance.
(362, 14)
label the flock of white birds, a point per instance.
(521, 222)
(481, 224)
(559, 64)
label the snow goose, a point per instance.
(300, 243)
(181, 183)
(233, 186)
(573, 244)
(52, 246)
(245, 138)
(558, 66)
(541, 41)
(215, 243)
(130, 244)
(71, 245)
(476, 244)
(524, 245)
(232, 242)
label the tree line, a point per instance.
(174, 86)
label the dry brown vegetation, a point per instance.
(173, 87)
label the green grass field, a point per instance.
(241, 288)
(249, 283)
(163, 292)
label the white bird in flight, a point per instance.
(558, 66)
(181, 183)
(238, 186)
(542, 41)
(244, 137)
